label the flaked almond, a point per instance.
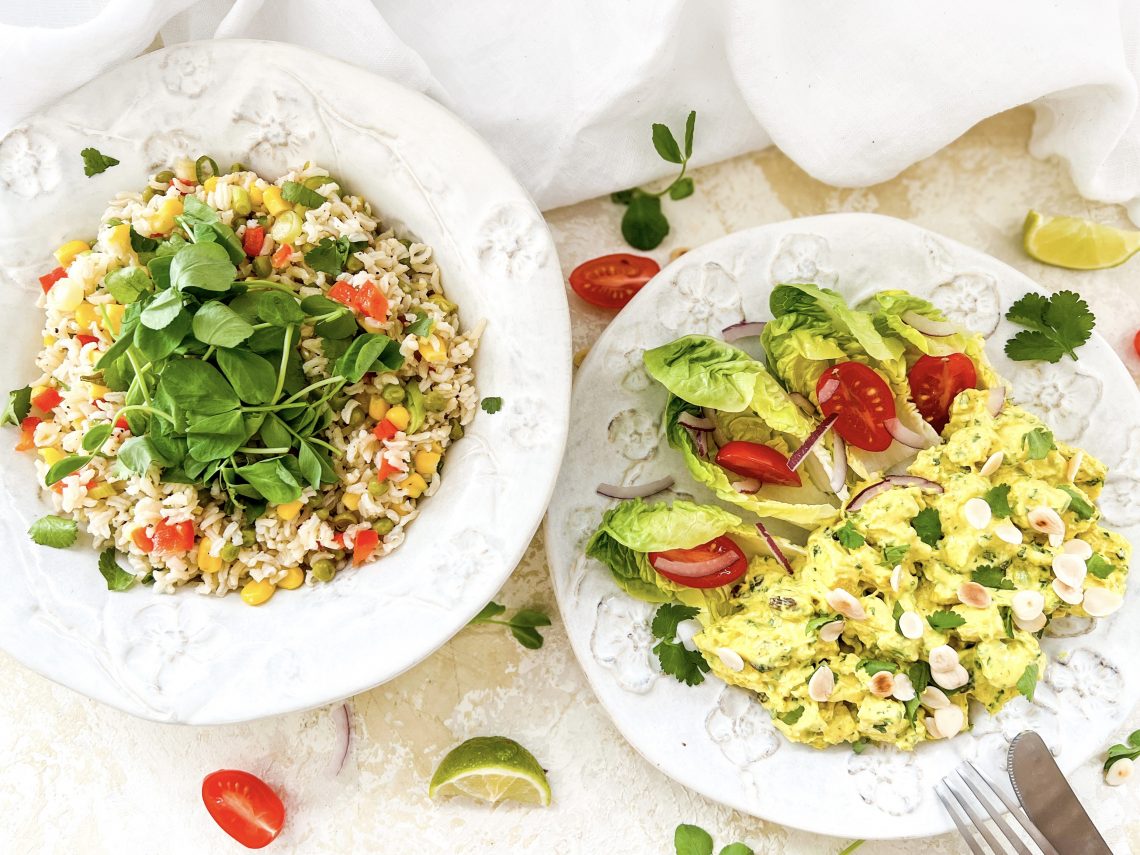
(821, 684)
(943, 658)
(1027, 605)
(955, 678)
(882, 684)
(904, 688)
(949, 721)
(845, 604)
(977, 513)
(1077, 547)
(1007, 531)
(1055, 540)
(896, 578)
(1119, 772)
(910, 624)
(1068, 593)
(933, 698)
(1070, 569)
(974, 594)
(731, 659)
(993, 463)
(1046, 520)
(1034, 625)
(831, 631)
(1101, 602)
(1074, 465)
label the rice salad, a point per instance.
(246, 385)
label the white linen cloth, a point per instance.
(566, 90)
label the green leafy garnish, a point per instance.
(692, 840)
(522, 625)
(849, 536)
(61, 469)
(644, 225)
(1130, 750)
(893, 555)
(421, 326)
(688, 666)
(860, 745)
(945, 619)
(330, 255)
(1027, 682)
(1099, 567)
(117, 578)
(1057, 326)
(54, 531)
(992, 577)
(1078, 504)
(927, 524)
(95, 162)
(998, 499)
(874, 666)
(127, 284)
(491, 405)
(791, 716)
(291, 191)
(1038, 443)
(1007, 620)
(919, 673)
(818, 622)
(19, 403)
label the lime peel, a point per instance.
(491, 769)
(1077, 244)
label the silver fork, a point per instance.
(962, 811)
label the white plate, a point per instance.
(714, 738)
(192, 659)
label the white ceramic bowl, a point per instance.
(716, 739)
(193, 659)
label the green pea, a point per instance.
(356, 417)
(237, 167)
(164, 177)
(376, 489)
(321, 513)
(148, 194)
(229, 552)
(354, 264)
(435, 402)
(262, 266)
(323, 570)
(114, 221)
(445, 304)
(456, 430)
(240, 201)
(248, 537)
(343, 520)
(383, 526)
(393, 393)
(406, 287)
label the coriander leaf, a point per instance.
(911, 708)
(1099, 567)
(945, 619)
(54, 531)
(19, 403)
(667, 618)
(491, 405)
(665, 144)
(927, 524)
(893, 555)
(737, 849)
(690, 126)
(998, 500)
(682, 188)
(329, 256)
(291, 191)
(127, 284)
(919, 674)
(1078, 504)
(860, 745)
(1038, 443)
(217, 324)
(163, 309)
(992, 577)
(1027, 682)
(791, 716)
(849, 537)
(421, 327)
(117, 578)
(94, 438)
(643, 225)
(688, 666)
(205, 266)
(492, 609)
(874, 666)
(818, 622)
(1058, 325)
(692, 840)
(95, 162)
(1007, 620)
(65, 467)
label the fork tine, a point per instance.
(959, 820)
(1017, 813)
(994, 811)
(975, 818)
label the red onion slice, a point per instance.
(812, 441)
(802, 402)
(865, 495)
(700, 441)
(929, 326)
(889, 483)
(695, 422)
(744, 329)
(908, 437)
(838, 464)
(777, 553)
(636, 491)
(995, 400)
(693, 569)
(827, 390)
(747, 486)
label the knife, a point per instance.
(1049, 800)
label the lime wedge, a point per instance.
(491, 769)
(1077, 244)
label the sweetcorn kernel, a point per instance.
(111, 316)
(274, 203)
(49, 340)
(400, 417)
(120, 240)
(210, 183)
(294, 578)
(208, 563)
(414, 485)
(289, 510)
(351, 501)
(433, 350)
(162, 220)
(256, 194)
(67, 252)
(378, 407)
(86, 315)
(256, 593)
(97, 391)
(51, 456)
(426, 462)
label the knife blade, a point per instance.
(1049, 800)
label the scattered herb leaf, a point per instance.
(1057, 326)
(1038, 443)
(998, 499)
(945, 619)
(849, 536)
(992, 577)
(522, 625)
(1078, 504)
(117, 578)
(1130, 750)
(95, 162)
(927, 524)
(491, 405)
(19, 403)
(54, 531)
(1099, 567)
(1027, 682)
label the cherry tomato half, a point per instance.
(1136, 343)
(935, 382)
(611, 280)
(863, 402)
(174, 537)
(244, 806)
(753, 460)
(704, 552)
